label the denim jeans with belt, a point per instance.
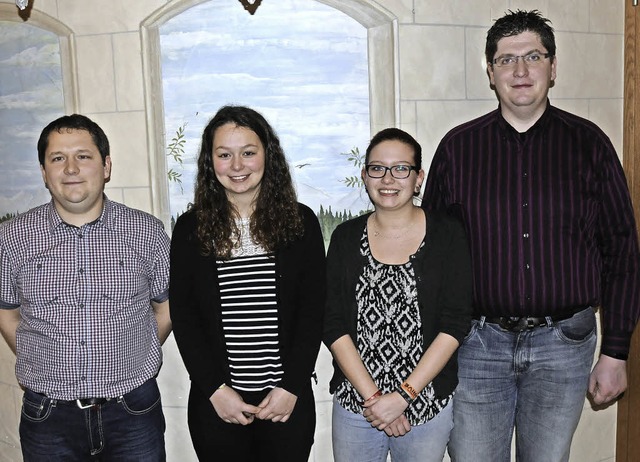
(534, 380)
(127, 428)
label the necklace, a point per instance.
(376, 230)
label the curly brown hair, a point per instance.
(276, 219)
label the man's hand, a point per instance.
(608, 379)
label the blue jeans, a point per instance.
(355, 440)
(535, 381)
(125, 429)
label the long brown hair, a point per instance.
(276, 219)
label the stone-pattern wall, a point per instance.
(441, 82)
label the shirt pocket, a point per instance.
(123, 280)
(44, 282)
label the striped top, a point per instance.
(549, 219)
(250, 317)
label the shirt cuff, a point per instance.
(616, 344)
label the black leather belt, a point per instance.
(84, 403)
(519, 324)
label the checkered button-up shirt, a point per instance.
(87, 328)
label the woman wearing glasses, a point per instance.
(398, 306)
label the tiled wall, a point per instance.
(441, 82)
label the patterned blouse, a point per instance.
(389, 335)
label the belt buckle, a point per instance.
(514, 324)
(87, 403)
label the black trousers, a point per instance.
(261, 441)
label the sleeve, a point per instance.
(455, 318)
(617, 235)
(160, 277)
(336, 323)
(306, 329)
(8, 295)
(435, 197)
(203, 361)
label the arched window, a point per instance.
(305, 64)
(32, 93)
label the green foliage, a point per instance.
(329, 220)
(8, 216)
(176, 152)
(355, 158)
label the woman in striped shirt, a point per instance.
(247, 293)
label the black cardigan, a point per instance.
(195, 306)
(443, 274)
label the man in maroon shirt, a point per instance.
(552, 235)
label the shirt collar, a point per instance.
(540, 124)
(105, 218)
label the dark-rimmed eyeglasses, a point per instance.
(530, 59)
(397, 171)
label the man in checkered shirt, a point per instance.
(84, 305)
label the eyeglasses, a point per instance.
(532, 59)
(397, 171)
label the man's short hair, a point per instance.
(514, 23)
(74, 122)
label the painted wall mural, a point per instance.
(301, 63)
(30, 97)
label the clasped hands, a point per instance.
(386, 413)
(277, 406)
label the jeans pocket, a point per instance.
(35, 407)
(472, 330)
(142, 400)
(578, 329)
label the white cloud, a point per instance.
(36, 56)
(42, 97)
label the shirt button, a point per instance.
(81, 305)
(525, 174)
(526, 266)
(81, 270)
(80, 236)
(81, 342)
(525, 204)
(526, 235)
(83, 378)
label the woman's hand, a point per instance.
(381, 412)
(231, 408)
(277, 406)
(398, 427)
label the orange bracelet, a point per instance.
(375, 395)
(410, 390)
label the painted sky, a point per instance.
(30, 97)
(300, 63)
